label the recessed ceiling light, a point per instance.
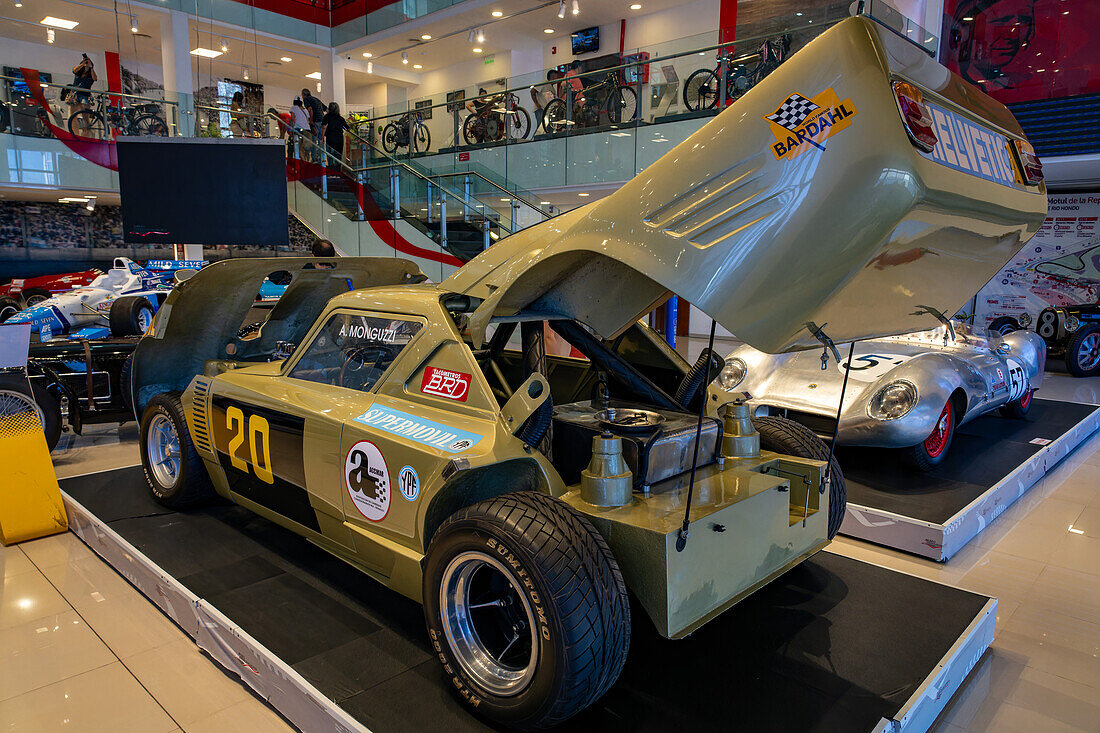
(547, 30)
(498, 13)
(544, 203)
(582, 194)
(636, 6)
(314, 75)
(477, 50)
(59, 22)
(367, 54)
(417, 66)
(286, 59)
(426, 37)
(206, 53)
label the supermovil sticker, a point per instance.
(425, 432)
(801, 123)
(367, 479)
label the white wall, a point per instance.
(59, 61)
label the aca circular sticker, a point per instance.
(409, 483)
(368, 480)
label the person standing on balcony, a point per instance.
(83, 77)
(236, 107)
(333, 127)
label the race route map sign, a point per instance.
(1059, 266)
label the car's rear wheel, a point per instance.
(785, 436)
(8, 307)
(526, 609)
(929, 453)
(1018, 408)
(131, 316)
(173, 469)
(34, 296)
(1083, 352)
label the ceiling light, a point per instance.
(582, 194)
(404, 57)
(133, 24)
(561, 9)
(417, 66)
(49, 35)
(498, 13)
(368, 54)
(426, 37)
(544, 203)
(370, 67)
(285, 59)
(18, 3)
(59, 22)
(480, 36)
(471, 36)
(576, 7)
(224, 46)
(799, 14)
(314, 75)
(636, 6)
(477, 50)
(206, 53)
(547, 31)
(244, 72)
(90, 206)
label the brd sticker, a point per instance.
(368, 480)
(409, 483)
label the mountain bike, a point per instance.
(408, 131)
(702, 88)
(107, 120)
(498, 117)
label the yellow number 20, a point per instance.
(258, 443)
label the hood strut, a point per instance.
(682, 536)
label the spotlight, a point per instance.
(561, 9)
(90, 206)
(18, 3)
(370, 67)
(480, 36)
(471, 36)
(404, 57)
(318, 87)
(49, 35)
(244, 72)
(576, 7)
(225, 46)
(133, 24)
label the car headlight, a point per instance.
(1072, 323)
(732, 374)
(893, 401)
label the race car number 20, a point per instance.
(446, 383)
(259, 443)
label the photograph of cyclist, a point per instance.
(83, 77)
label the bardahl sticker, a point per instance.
(368, 480)
(801, 124)
(420, 430)
(446, 383)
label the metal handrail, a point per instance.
(511, 194)
(101, 92)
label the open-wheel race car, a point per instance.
(519, 497)
(23, 293)
(908, 392)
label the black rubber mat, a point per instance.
(982, 453)
(833, 645)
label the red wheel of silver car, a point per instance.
(930, 453)
(1018, 408)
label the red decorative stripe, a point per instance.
(100, 152)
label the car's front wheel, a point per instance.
(174, 470)
(1083, 352)
(929, 453)
(1018, 408)
(526, 609)
(130, 316)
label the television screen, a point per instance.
(205, 191)
(586, 41)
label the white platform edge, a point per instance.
(941, 541)
(287, 691)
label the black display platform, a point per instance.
(985, 455)
(833, 645)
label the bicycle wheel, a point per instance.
(150, 125)
(473, 132)
(421, 138)
(554, 117)
(701, 90)
(88, 124)
(519, 124)
(622, 105)
(389, 138)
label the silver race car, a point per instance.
(909, 392)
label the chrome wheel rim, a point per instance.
(35, 300)
(1088, 353)
(14, 403)
(489, 623)
(145, 317)
(162, 448)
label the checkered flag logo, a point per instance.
(793, 112)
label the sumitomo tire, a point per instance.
(526, 609)
(785, 436)
(174, 471)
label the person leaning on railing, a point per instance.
(83, 77)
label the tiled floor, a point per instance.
(80, 649)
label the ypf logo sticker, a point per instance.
(446, 383)
(368, 480)
(800, 124)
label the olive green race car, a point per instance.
(423, 434)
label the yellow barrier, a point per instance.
(30, 499)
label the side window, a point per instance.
(353, 351)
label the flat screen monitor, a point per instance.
(205, 191)
(586, 41)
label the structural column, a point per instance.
(179, 84)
